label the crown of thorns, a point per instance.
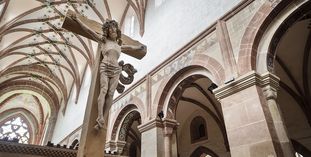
(110, 23)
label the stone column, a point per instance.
(168, 130)
(152, 138)
(167, 143)
(253, 122)
(278, 127)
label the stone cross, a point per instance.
(92, 142)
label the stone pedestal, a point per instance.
(253, 122)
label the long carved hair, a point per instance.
(108, 24)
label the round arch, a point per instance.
(196, 78)
(256, 31)
(121, 115)
(191, 73)
(289, 20)
(121, 128)
(282, 48)
(129, 118)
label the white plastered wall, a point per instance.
(73, 117)
(169, 25)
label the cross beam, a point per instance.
(74, 27)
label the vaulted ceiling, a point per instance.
(42, 61)
(293, 64)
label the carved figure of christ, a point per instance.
(96, 27)
(110, 44)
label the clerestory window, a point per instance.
(15, 128)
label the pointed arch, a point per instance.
(21, 124)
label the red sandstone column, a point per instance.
(279, 129)
(253, 122)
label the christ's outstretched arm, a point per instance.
(132, 48)
(92, 33)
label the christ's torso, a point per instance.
(111, 52)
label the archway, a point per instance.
(289, 58)
(187, 99)
(125, 139)
(129, 134)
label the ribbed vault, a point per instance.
(38, 56)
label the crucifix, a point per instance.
(105, 78)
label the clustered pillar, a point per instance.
(253, 121)
(276, 122)
(158, 138)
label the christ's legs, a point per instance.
(113, 83)
(102, 97)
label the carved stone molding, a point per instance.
(110, 146)
(245, 81)
(120, 147)
(150, 125)
(270, 93)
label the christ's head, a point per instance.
(111, 31)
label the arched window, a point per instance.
(198, 129)
(15, 128)
(202, 130)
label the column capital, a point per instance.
(150, 125)
(120, 146)
(170, 123)
(169, 126)
(266, 80)
(269, 92)
(110, 147)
